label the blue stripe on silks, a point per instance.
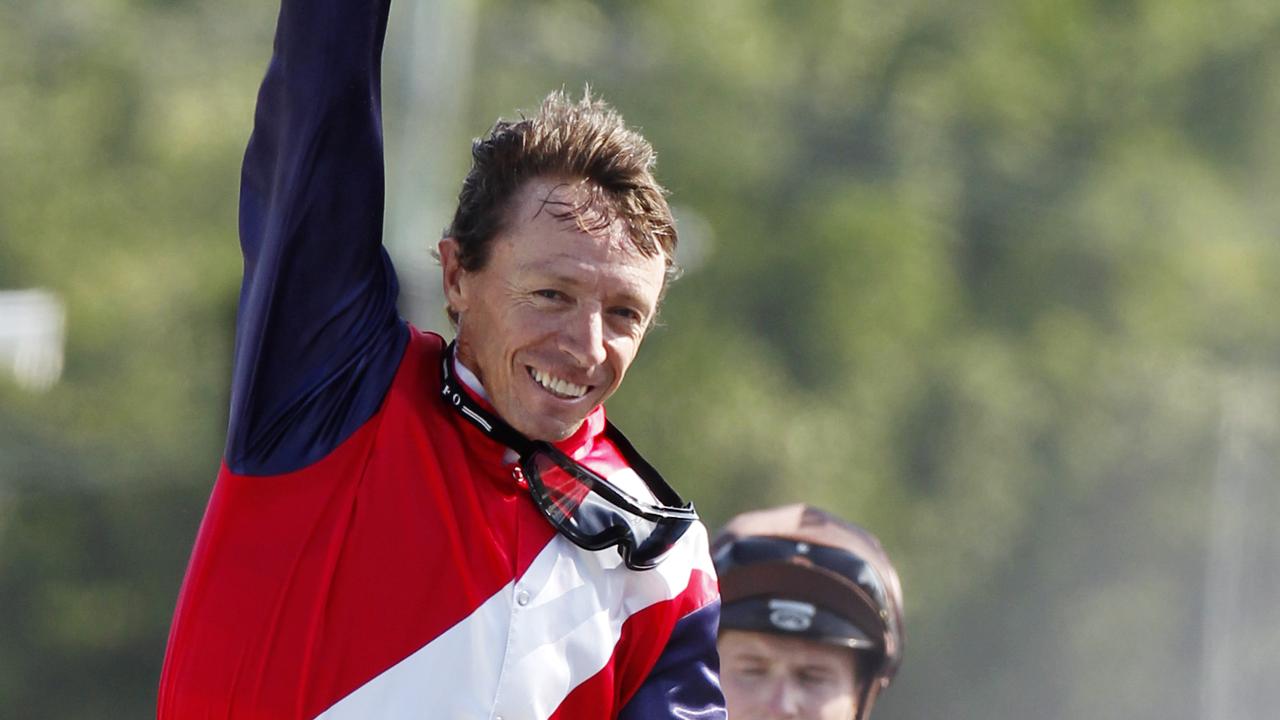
(685, 681)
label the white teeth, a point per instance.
(558, 386)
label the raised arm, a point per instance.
(317, 335)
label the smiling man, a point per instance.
(812, 620)
(404, 527)
(556, 313)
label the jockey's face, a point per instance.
(773, 677)
(553, 320)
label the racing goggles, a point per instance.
(763, 563)
(581, 504)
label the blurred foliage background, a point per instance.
(991, 278)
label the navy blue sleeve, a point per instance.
(318, 338)
(685, 682)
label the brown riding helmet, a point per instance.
(803, 572)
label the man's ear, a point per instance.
(453, 276)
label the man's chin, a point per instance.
(553, 424)
(549, 429)
(553, 433)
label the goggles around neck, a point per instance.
(581, 504)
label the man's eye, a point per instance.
(812, 679)
(549, 294)
(629, 314)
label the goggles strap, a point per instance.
(453, 393)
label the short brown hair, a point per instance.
(586, 140)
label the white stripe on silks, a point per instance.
(574, 620)
(451, 677)
(520, 661)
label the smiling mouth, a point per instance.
(562, 389)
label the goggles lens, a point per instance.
(595, 514)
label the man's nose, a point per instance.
(784, 700)
(584, 339)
